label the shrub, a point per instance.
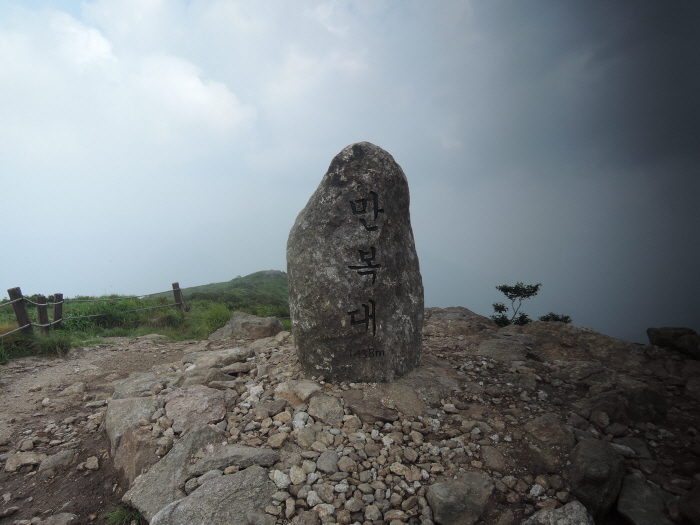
(517, 293)
(122, 516)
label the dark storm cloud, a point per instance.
(620, 77)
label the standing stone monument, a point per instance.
(355, 289)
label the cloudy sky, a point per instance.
(144, 142)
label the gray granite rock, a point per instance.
(222, 456)
(122, 413)
(217, 358)
(570, 514)
(328, 409)
(460, 501)
(249, 326)
(139, 383)
(507, 347)
(196, 404)
(689, 505)
(221, 500)
(59, 461)
(596, 475)
(639, 504)
(64, 518)
(136, 453)
(164, 482)
(355, 289)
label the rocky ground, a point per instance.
(522, 425)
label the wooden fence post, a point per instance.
(58, 311)
(43, 313)
(178, 297)
(20, 309)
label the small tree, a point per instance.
(517, 294)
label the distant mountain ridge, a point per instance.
(262, 293)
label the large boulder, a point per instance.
(460, 501)
(193, 405)
(122, 413)
(355, 288)
(222, 500)
(456, 320)
(684, 340)
(248, 326)
(639, 504)
(596, 475)
(165, 481)
(570, 514)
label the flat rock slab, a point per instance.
(139, 383)
(59, 461)
(460, 501)
(507, 347)
(222, 500)
(165, 481)
(218, 358)
(15, 461)
(570, 514)
(456, 320)
(250, 326)
(122, 413)
(328, 409)
(136, 452)
(222, 456)
(596, 474)
(355, 289)
(639, 504)
(194, 405)
(296, 392)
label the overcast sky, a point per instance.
(144, 142)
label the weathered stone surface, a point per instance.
(355, 289)
(667, 336)
(222, 456)
(136, 453)
(689, 345)
(629, 406)
(218, 358)
(328, 409)
(639, 504)
(139, 383)
(164, 482)
(689, 505)
(571, 514)
(507, 347)
(15, 461)
(221, 500)
(194, 405)
(368, 406)
(246, 325)
(460, 501)
(549, 430)
(64, 518)
(122, 413)
(58, 461)
(456, 320)
(296, 392)
(596, 475)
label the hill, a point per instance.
(262, 293)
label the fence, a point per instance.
(19, 303)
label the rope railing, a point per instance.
(124, 312)
(115, 298)
(24, 322)
(8, 303)
(15, 330)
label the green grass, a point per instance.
(209, 308)
(122, 516)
